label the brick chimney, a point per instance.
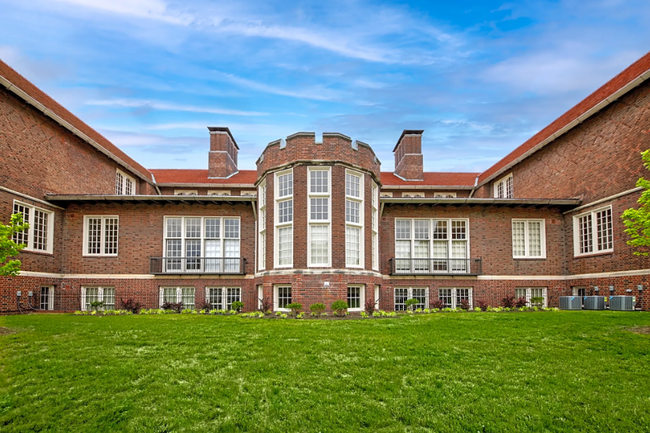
(222, 160)
(408, 156)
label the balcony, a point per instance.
(436, 266)
(197, 265)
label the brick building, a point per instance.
(319, 221)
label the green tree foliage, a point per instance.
(637, 221)
(9, 248)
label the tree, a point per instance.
(8, 247)
(637, 221)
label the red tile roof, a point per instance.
(431, 179)
(183, 176)
(609, 89)
(41, 97)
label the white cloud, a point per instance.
(150, 9)
(164, 106)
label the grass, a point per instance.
(563, 371)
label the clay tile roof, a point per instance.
(431, 179)
(182, 176)
(48, 103)
(609, 89)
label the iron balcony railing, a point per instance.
(198, 265)
(435, 266)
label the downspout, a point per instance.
(471, 193)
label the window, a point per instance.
(356, 298)
(284, 219)
(444, 195)
(221, 298)
(47, 298)
(281, 298)
(580, 291)
(532, 292)
(593, 232)
(454, 296)
(202, 245)
(353, 219)
(318, 213)
(95, 294)
(413, 194)
(375, 226)
(124, 184)
(503, 188)
(428, 246)
(186, 192)
(100, 235)
(386, 194)
(402, 294)
(528, 239)
(219, 192)
(178, 294)
(40, 235)
(261, 226)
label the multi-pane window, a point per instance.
(261, 199)
(503, 188)
(453, 297)
(318, 191)
(375, 227)
(100, 235)
(98, 294)
(202, 244)
(284, 219)
(532, 295)
(428, 246)
(178, 294)
(353, 219)
(593, 232)
(281, 297)
(221, 298)
(47, 298)
(402, 294)
(39, 236)
(124, 184)
(528, 238)
(356, 298)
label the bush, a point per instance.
(508, 302)
(340, 307)
(96, 305)
(131, 305)
(537, 301)
(237, 305)
(369, 306)
(175, 307)
(437, 304)
(464, 304)
(266, 304)
(204, 305)
(295, 307)
(410, 303)
(317, 308)
(478, 309)
(482, 304)
(521, 302)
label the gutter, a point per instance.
(482, 201)
(82, 198)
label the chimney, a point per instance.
(408, 156)
(222, 160)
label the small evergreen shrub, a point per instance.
(295, 307)
(317, 308)
(411, 303)
(340, 307)
(237, 305)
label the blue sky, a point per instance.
(480, 77)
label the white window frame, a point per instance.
(504, 187)
(50, 298)
(31, 239)
(594, 232)
(102, 241)
(528, 294)
(276, 219)
(220, 192)
(360, 224)
(186, 192)
(374, 241)
(441, 194)
(225, 305)
(454, 296)
(409, 295)
(179, 294)
(362, 297)
(100, 296)
(121, 182)
(276, 292)
(542, 234)
(261, 226)
(319, 222)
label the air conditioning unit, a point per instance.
(570, 303)
(594, 302)
(621, 303)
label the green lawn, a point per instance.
(494, 372)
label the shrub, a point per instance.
(537, 301)
(283, 316)
(131, 305)
(520, 302)
(317, 308)
(96, 305)
(508, 302)
(464, 304)
(364, 315)
(437, 304)
(300, 315)
(175, 307)
(340, 307)
(266, 304)
(237, 305)
(369, 306)
(204, 305)
(410, 303)
(482, 304)
(186, 311)
(478, 309)
(295, 307)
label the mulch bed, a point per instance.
(640, 330)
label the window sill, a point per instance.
(585, 256)
(38, 253)
(529, 258)
(112, 256)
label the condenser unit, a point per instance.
(621, 303)
(594, 303)
(570, 303)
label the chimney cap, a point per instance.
(225, 129)
(408, 132)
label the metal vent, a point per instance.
(594, 303)
(570, 303)
(621, 303)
